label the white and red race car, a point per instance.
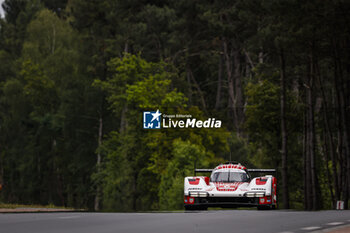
(230, 185)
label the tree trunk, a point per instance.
(230, 81)
(200, 93)
(261, 57)
(330, 140)
(1, 170)
(232, 57)
(344, 139)
(126, 47)
(218, 91)
(284, 149)
(238, 90)
(311, 177)
(306, 173)
(249, 60)
(98, 164)
(329, 178)
(311, 141)
(123, 121)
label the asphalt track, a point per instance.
(238, 221)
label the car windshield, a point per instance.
(229, 177)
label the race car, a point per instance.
(230, 185)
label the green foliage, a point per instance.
(185, 155)
(147, 161)
(38, 87)
(262, 118)
(145, 84)
(153, 92)
(263, 126)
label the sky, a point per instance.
(1, 10)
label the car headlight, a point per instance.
(198, 194)
(193, 194)
(250, 194)
(260, 194)
(255, 194)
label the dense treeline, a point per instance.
(75, 77)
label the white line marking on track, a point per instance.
(286, 232)
(69, 217)
(334, 223)
(310, 228)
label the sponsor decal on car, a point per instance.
(227, 187)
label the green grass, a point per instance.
(14, 206)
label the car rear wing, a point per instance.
(261, 170)
(204, 170)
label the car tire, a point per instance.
(196, 208)
(263, 207)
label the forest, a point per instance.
(77, 75)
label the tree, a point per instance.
(146, 154)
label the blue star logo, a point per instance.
(151, 120)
